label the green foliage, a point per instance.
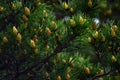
(36, 45)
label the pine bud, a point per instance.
(89, 39)
(27, 11)
(65, 5)
(46, 74)
(101, 72)
(96, 35)
(25, 25)
(109, 12)
(47, 47)
(37, 3)
(13, 6)
(48, 31)
(103, 39)
(36, 50)
(82, 20)
(32, 43)
(113, 34)
(109, 47)
(54, 62)
(64, 61)
(87, 70)
(89, 3)
(58, 38)
(72, 22)
(25, 52)
(58, 56)
(54, 25)
(59, 78)
(94, 26)
(19, 37)
(114, 59)
(1, 9)
(40, 29)
(36, 40)
(15, 31)
(5, 40)
(55, 46)
(71, 64)
(25, 18)
(70, 60)
(69, 69)
(20, 4)
(43, 20)
(45, 13)
(100, 78)
(67, 77)
(71, 10)
(114, 27)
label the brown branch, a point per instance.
(101, 75)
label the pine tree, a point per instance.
(59, 40)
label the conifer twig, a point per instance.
(101, 75)
(39, 64)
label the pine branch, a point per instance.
(101, 75)
(40, 64)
